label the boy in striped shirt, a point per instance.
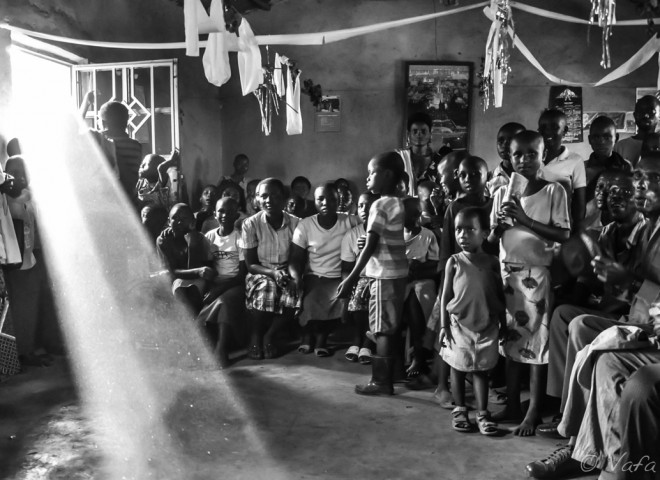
(384, 256)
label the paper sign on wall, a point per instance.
(328, 114)
(569, 101)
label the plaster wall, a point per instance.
(368, 73)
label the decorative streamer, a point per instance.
(498, 54)
(605, 13)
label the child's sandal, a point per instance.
(460, 420)
(486, 425)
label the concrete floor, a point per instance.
(300, 420)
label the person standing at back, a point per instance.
(647, 116)
(128, 152)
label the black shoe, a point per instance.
(558, 464)
(550, 429)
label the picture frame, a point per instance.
(443, 90)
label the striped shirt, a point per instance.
(272, 245)
(386, 220)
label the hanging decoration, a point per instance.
(604, 12)
(498, 54)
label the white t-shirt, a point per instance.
(422, 247)
(521, 245)
(227, 254)
(630, 149)
(323, 246)
(568, 170)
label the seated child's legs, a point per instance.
(189, 295)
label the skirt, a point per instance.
(359, 301)
(264, 295)
(472, 351)
(320, 300)
(528, 296)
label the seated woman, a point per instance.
(187, 254)
(315, 266)
(271, 295)
(225, 302)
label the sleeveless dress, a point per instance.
(474, 313)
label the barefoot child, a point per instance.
(422, 252)
(358, 304)
(384, 256)
(540, 219)
(270, 293)
(315, 266)
(472, 315)
(225, 302)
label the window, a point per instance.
(148, 89)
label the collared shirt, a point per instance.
(568, 170)
(498, 178)
(272, 245)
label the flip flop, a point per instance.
(352, 353)
(364, 357)
(321, 352)
(305, 349)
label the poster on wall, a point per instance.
(328, 114)
(624, 121)
(442, 90)
(569, 101)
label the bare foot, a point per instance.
(527, 427)
(444, 398)
(416, 368)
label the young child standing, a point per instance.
(422, 252)
(528, 228)
(472, 315)
(384, 256)
(563, 166)
(499, 177)
(358, 304)
(315, 266)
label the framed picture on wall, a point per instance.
(444, 91)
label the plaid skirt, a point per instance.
(263, 294)
(359, 301)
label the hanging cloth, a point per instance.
(293, 114)
(249, 59)
(190, 13)
(216, 56)
(278, 77)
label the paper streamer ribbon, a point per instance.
(320, 38)
(640, 58)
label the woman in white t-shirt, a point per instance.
(315, 266)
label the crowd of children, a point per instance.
(466, 262)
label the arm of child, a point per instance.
(346, 286)
(297, 261)
(579, 208)
(174, 161)
(446, 337)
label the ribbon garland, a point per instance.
(604, 11)
(498, 54)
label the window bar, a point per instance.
(152, 107)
